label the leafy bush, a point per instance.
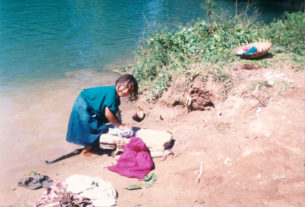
(288, 33)
(165, 54)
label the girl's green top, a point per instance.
(98, 98)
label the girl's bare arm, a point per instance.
(112, 118)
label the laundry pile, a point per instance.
(137, 146)
(157, 141)
(247, 50)
(79, 191)
(135, 162)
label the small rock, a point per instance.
(139, 116)
(161, 117)
(227, 161)
(258, 111)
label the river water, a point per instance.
(42, 40)
(50, 50)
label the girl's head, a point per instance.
(127, 85)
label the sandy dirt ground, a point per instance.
(250, 144)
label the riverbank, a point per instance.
(251, 144)
(240, 121)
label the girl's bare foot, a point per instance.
(87, 152)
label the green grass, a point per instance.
(288, 33)
(166, 54)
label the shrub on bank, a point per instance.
(166, 54)
(288, 33)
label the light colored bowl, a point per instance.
(262, 48)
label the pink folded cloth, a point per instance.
(135, 162)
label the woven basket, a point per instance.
(262, 48)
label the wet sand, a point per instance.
(34, 123)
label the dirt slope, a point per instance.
(251, 145)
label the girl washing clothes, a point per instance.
(94, 107)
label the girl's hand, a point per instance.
(114, 120)
(125, 126)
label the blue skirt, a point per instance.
(84, 126)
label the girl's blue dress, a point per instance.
(87, 120)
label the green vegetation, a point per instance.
(206, 48)
(288, 34)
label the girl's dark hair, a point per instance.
(129, 80)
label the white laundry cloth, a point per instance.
(101, 193)
(121, 132)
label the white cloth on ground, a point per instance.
(100, 192)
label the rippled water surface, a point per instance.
(44, 39)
